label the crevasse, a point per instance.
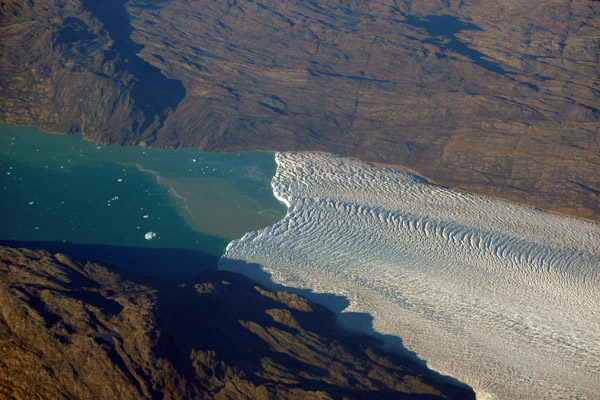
(503, 297)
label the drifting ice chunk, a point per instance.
(150, 235)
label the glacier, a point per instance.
(503, 297)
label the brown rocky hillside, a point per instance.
(77, 330)
(499, 97)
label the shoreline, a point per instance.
(398, 167)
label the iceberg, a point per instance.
(150, 235)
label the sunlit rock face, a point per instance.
(503, 297)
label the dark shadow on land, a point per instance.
(358, 323)
(224, 312)
(152, 92)
(139, 260)
(443, 29)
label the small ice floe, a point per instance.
(119, 180)
(194, 160)
(31, 203)
(145, 216)
(150, 235)
(115, 198)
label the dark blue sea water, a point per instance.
(66, 194)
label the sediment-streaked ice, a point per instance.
(503, 297)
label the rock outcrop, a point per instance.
(494, 97)
(78, 330)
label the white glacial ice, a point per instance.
(150, 235)
(501, 296)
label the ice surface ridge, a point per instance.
(501, 296)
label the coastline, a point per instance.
(485, 99)
(398, 167)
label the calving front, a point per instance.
(503, 297)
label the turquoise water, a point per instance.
(66, 194)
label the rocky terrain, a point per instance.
(498, 97)
(77, 330)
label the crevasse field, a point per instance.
(503, 297)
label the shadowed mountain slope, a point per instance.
(72, 329)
